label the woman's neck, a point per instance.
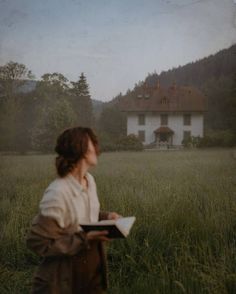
(79, 172)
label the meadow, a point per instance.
(184, 237)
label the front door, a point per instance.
(163, 137)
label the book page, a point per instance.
(124, 224)
(102, 222)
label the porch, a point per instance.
(163, 138)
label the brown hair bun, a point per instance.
(71, 146)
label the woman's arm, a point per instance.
(108, 215)
(47, 238)
(103, 215)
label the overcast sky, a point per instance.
(115, 43)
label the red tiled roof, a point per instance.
(163, 130)
(177, 98)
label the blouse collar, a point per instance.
(77, 183)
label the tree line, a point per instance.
(31, 119)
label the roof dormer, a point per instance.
(164, 100)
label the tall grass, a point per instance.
(184, 238)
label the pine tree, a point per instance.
(82, 102)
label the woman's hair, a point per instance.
(71, 146)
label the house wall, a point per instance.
(175, 122)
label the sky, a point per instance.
(116, 43)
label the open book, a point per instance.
(118, 228)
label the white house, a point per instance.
(165, 115)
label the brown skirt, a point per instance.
(87, 272)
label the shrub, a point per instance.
(106, 143)
(123, 143)
(130, 142)
(221, 138)
(191, 142)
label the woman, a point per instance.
(73, 261)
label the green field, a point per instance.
(184, 238)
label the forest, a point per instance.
(33, 112)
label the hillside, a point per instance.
(213, 75)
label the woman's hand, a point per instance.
(98, 235)
(101, 235)
(113, 215)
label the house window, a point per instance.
(164, 100)
(187, 135)
(141, 135)
(164, 119)
(141, 119)
(187, 119)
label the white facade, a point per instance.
(175, 123)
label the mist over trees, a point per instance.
(33, 113)
(12, 104)
(33, 120)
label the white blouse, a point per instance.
(68, 202)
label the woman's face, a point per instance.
(91, 156)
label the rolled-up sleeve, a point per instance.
(46, 238)
(53, 205)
